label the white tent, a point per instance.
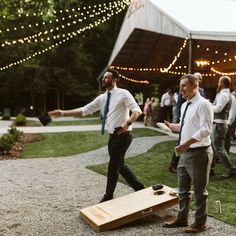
(153, 33)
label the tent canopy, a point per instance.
(176, 35)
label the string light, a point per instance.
(33, 38)
(222, 73)
(144, 69)
(134, 80)
(72, 35)
(88, 12)
(202, 63)
(164, 70)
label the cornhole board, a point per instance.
(116, 212)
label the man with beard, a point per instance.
(115, 105)
(221, 107)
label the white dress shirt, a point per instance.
(121, 103)
(197, 122)
(166, 100)
(222, 98)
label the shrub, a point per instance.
(15, 133)
(20, 120)
(9, 139)
(6, 142)
(6, 114)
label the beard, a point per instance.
(106, 85)
(218, 89)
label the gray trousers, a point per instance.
(218, 143)
(193, 169)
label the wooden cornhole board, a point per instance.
(111, 214)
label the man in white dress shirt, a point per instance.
(221, 107)
(119, 126)
(166, 105)
(195, 154)
(231, 120)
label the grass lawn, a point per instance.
(71, 143)
(152, 168)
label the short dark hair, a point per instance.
(191, 79)
(226, 80)
(115, 74)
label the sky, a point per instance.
(202, 15)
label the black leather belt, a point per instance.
(116, 132)
(198, 148)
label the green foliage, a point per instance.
(69, 69)
(8, 140)
(20, 120)
(6, 114)
(15, 133)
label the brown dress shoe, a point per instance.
(195, 228)
(176, 223)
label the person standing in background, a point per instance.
(167, 104)
(221, 107)
(147, 110)
(231, 121)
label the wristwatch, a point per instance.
(129, 123)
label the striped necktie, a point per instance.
(106, 109)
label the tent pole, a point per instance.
(190, 55)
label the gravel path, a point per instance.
(43, 197)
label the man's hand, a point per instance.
(124, 128)
(172, 126)
(55, 113)
(168, 124)
(181, 148)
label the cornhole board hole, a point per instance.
(116, 212)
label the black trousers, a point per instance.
(117, 147)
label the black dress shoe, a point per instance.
(172, 169)
(106, 198)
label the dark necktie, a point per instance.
(106, 109)
(182, 121)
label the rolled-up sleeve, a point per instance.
(93, 106)
(130, 102)
(206, 118)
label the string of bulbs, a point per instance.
(76, 13)
(34, 38)
(69, 36)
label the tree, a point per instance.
(69, 69)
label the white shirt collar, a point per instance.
(113, 90)
(195, 98)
